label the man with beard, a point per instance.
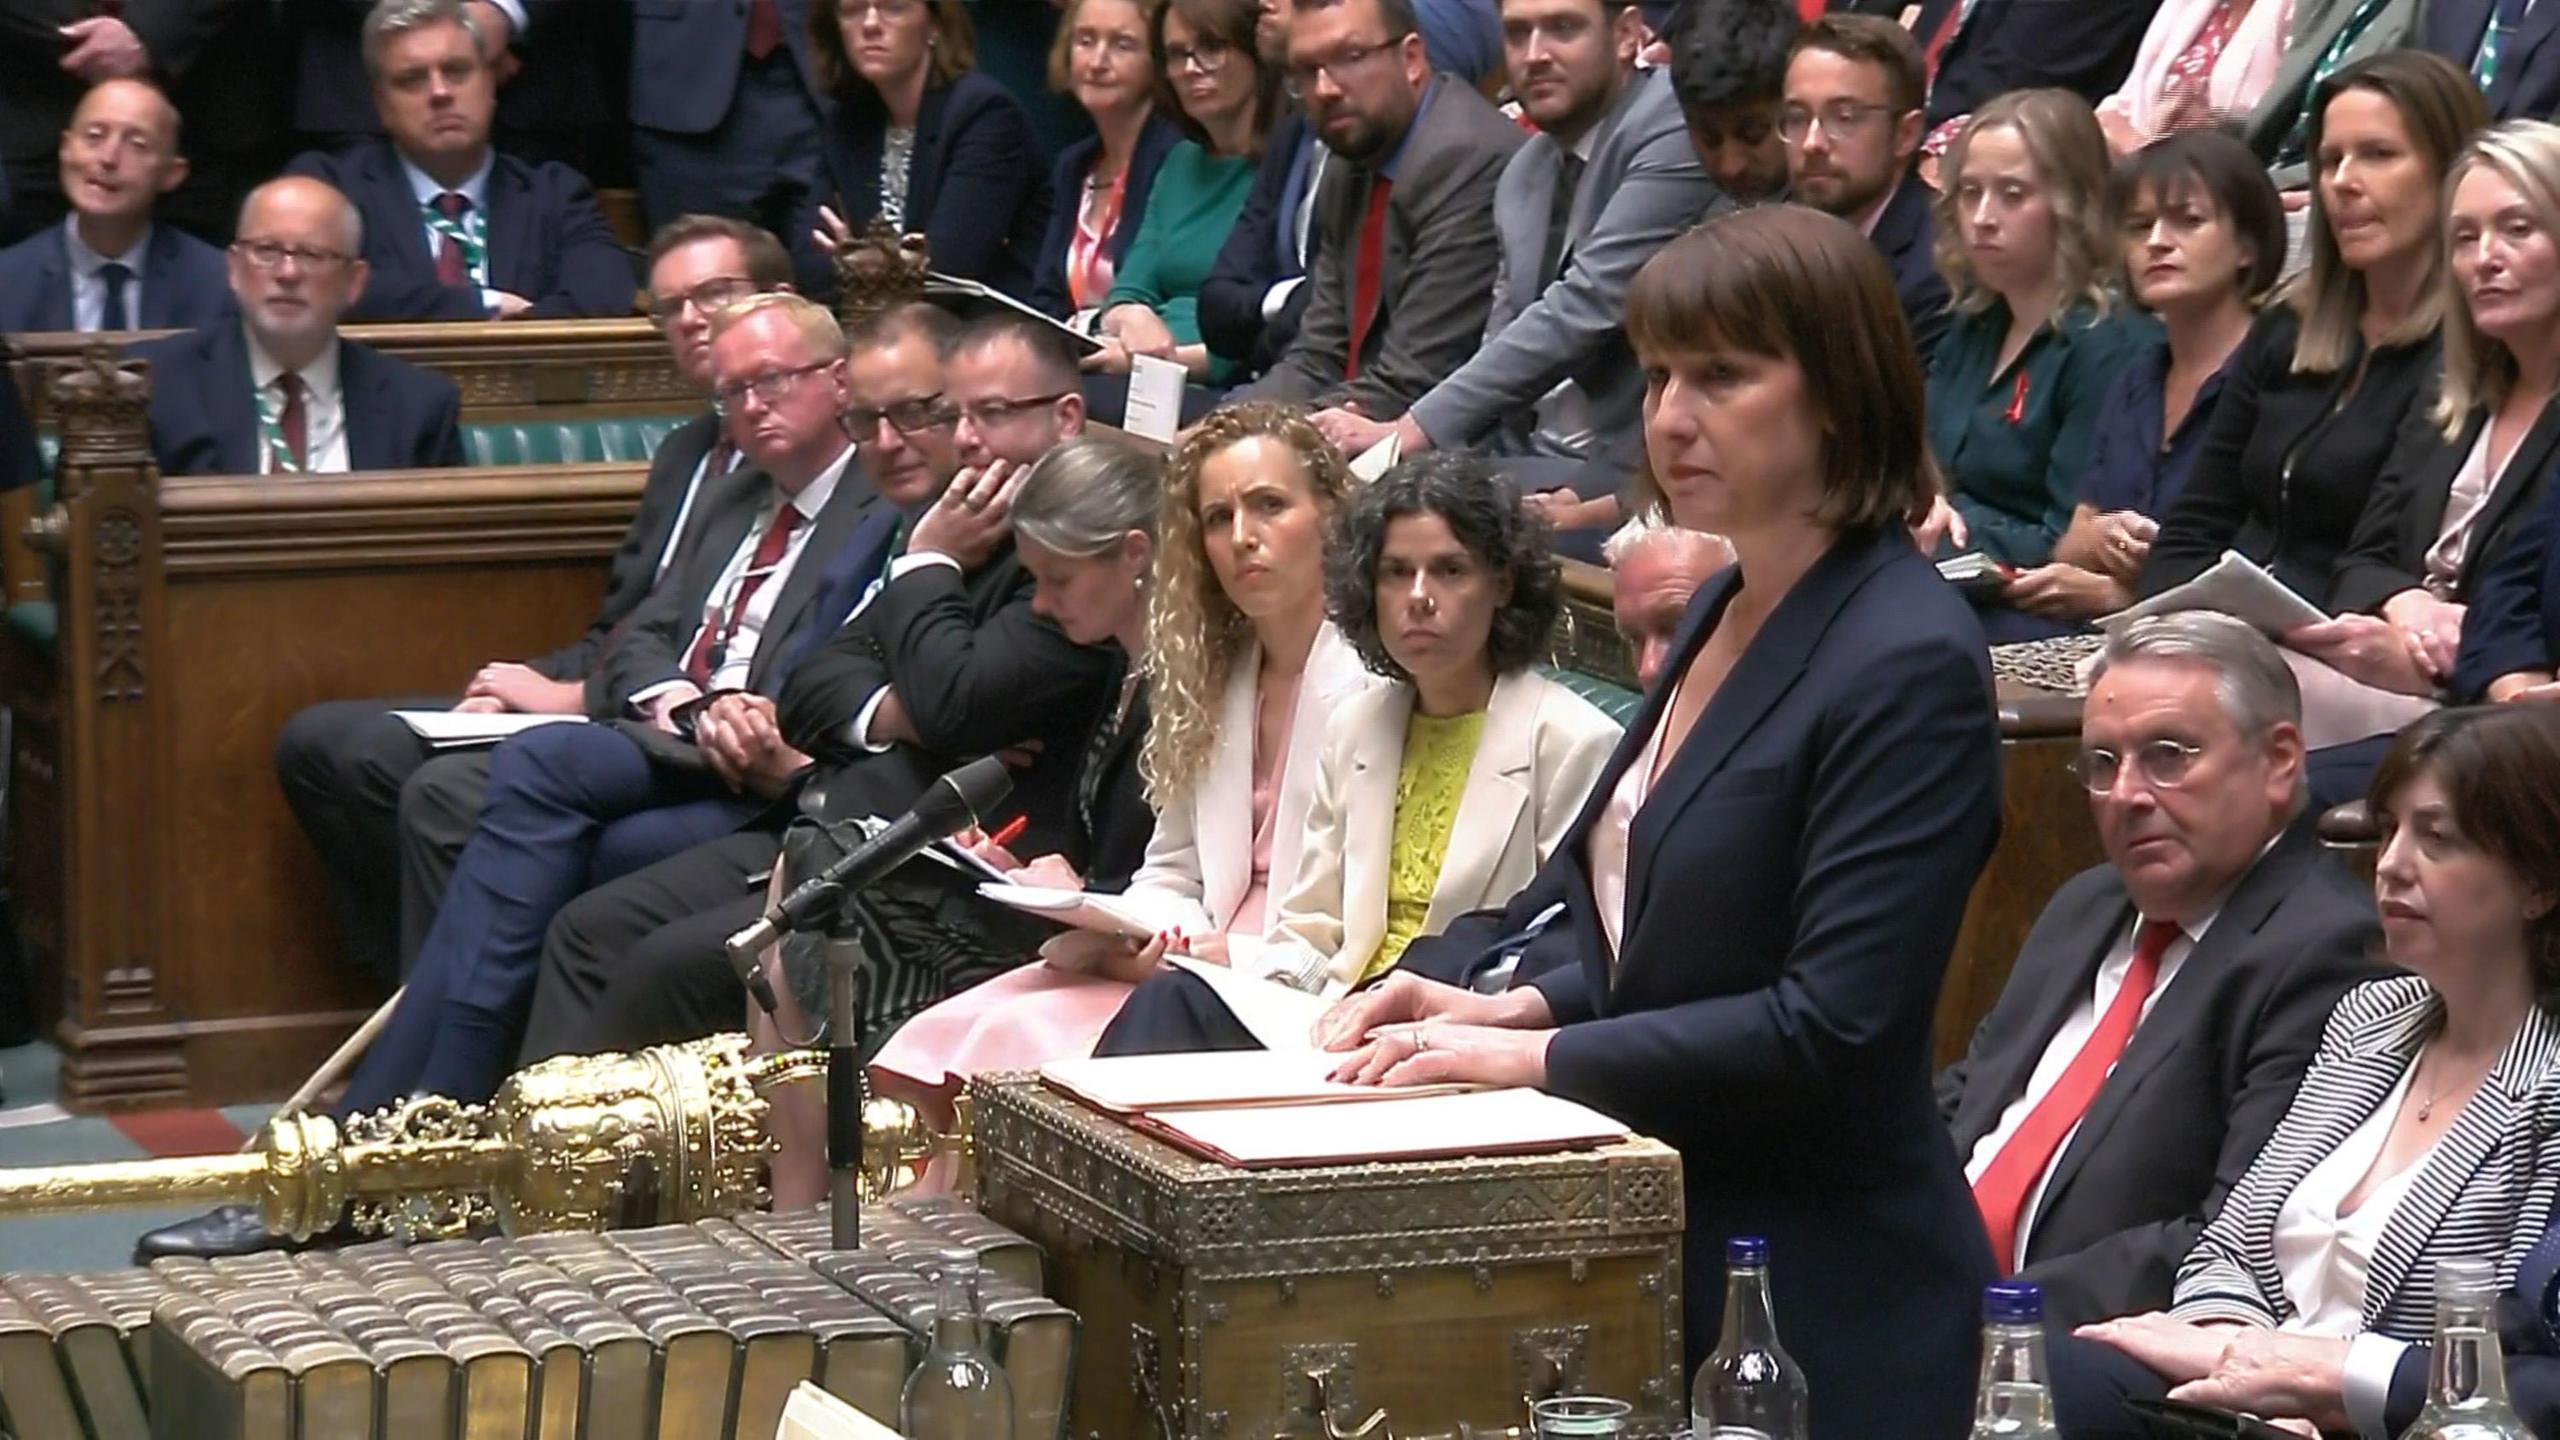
(1852, 123)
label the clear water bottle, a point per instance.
(2466, 1373)
(1748, 1389)
(2014, 1401)
(957, 1393)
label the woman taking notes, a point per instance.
(1760, 896)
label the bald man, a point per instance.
(276, 391)
(107, 266)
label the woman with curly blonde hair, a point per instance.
(1241, 670)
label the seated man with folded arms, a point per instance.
(276, 391)
(1609, 179)
(455, 230)
(2162, 1010)
(946, 662)
(343, 764)
(1403, 277)
(107, 266)
(1729, 70)
(769, 580)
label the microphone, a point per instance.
(948, 805)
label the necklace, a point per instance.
(2427, 1106)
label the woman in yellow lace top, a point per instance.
(1440, 793)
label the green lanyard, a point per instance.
(2299, 141)
(280, 459)
(2484, 67)
(471, 234)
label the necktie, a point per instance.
(1366, 265)
(1559, 218)
(764, 28)
(722, 459)
(2012, 1175)
(114, 316)
(711, 646)
(2502, 27)
(293, 421)
(451, 267)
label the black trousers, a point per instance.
(1174, 1010)
(638, 960)
(341, 765)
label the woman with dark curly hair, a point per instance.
(1440, 793)
(2426, 1132)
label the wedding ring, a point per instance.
(972, 503)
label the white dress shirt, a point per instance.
(741, 654)
(324, 411)
(2065, 1047)
(474, 188)
(2473, 484)
(89, 288)
(1609, 836)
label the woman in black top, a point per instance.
(922, 140)
(2316, 394)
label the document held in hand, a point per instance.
(2238, 587)
(461, 730)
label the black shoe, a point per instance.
(222, 1230)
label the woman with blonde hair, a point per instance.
(1241, 671)
(1098, 189)
(2016, 385)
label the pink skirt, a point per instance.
(1022, 1019)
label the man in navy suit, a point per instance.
(725, 107)
(550, 57)
(1852, 124)
(2509, 46)
(453, 229)
(1990, 47)
(278, 392)
(107, 266)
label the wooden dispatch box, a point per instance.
(1439, 1291)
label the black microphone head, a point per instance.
(966, 796)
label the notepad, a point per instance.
(1141, 1084)
(1084, 910)
(462, 730)
(813, 1414)
(1378, 459)
(1405, 1126)
(2238, 587)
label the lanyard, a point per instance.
(470, 235)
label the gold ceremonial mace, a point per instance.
(583, 1142)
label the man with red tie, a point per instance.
(1409, 249)
(2166, 1003)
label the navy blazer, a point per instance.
(973, 185)
(2404, 516)
(2018, 44)
(1252, 261)
(1066, 201)
(1906, 230)
(558, 85)
(184, 283)
(686, 54)
(1795, 879)
(204, 417)
(2514, 620)
(547, 240)
(2527, 85)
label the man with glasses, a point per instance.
(1851, 120)
(455, 230)
(278, 392)
(2167, 1002)
(1409, 251)
(108, 267)
(386, 814)
(942, 663)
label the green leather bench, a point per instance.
(1615, 701)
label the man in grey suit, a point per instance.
(1609, 180)
(1409, 252)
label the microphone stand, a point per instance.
(853, 932)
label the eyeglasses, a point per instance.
(2162, 765)
(1840, 117)
(769, 388)
(907, 417)
(987, 414)
(1302, 74)
(1204, 57)
(707, 298)
(268, 255)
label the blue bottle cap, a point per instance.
(2013, 1302)
(1746, 1250)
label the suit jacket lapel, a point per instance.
(1222, 805)
(926, 169)
(1490, 809)
(2524, 471)
(382, 173)
(2424, 521)
(1524, 234)
(843, 511)
(2061, 989)
(363, 391)
(232, 399)
(2515, 56)
(160, 280)
(53, 282)
(514, 250)
(1369, 815)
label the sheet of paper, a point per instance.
(1378, 459)
(1126, 1084)
(2235, 585)
(1282, 1017)
(1084, 911)
(1155, 398)
(814, 1414)
(454, 729)
(1407, 1127)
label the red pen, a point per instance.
(1011, 832)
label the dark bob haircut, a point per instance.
(1482, 509)
(2227, 176)
(2499, 767)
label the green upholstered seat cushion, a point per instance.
(36, 622)
(594, 440)
(1614, 700)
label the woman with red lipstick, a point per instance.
(2427, 1128)
(923, 141)
(2015, 386)
(2314, 398)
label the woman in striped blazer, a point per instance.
(2426, 1129)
